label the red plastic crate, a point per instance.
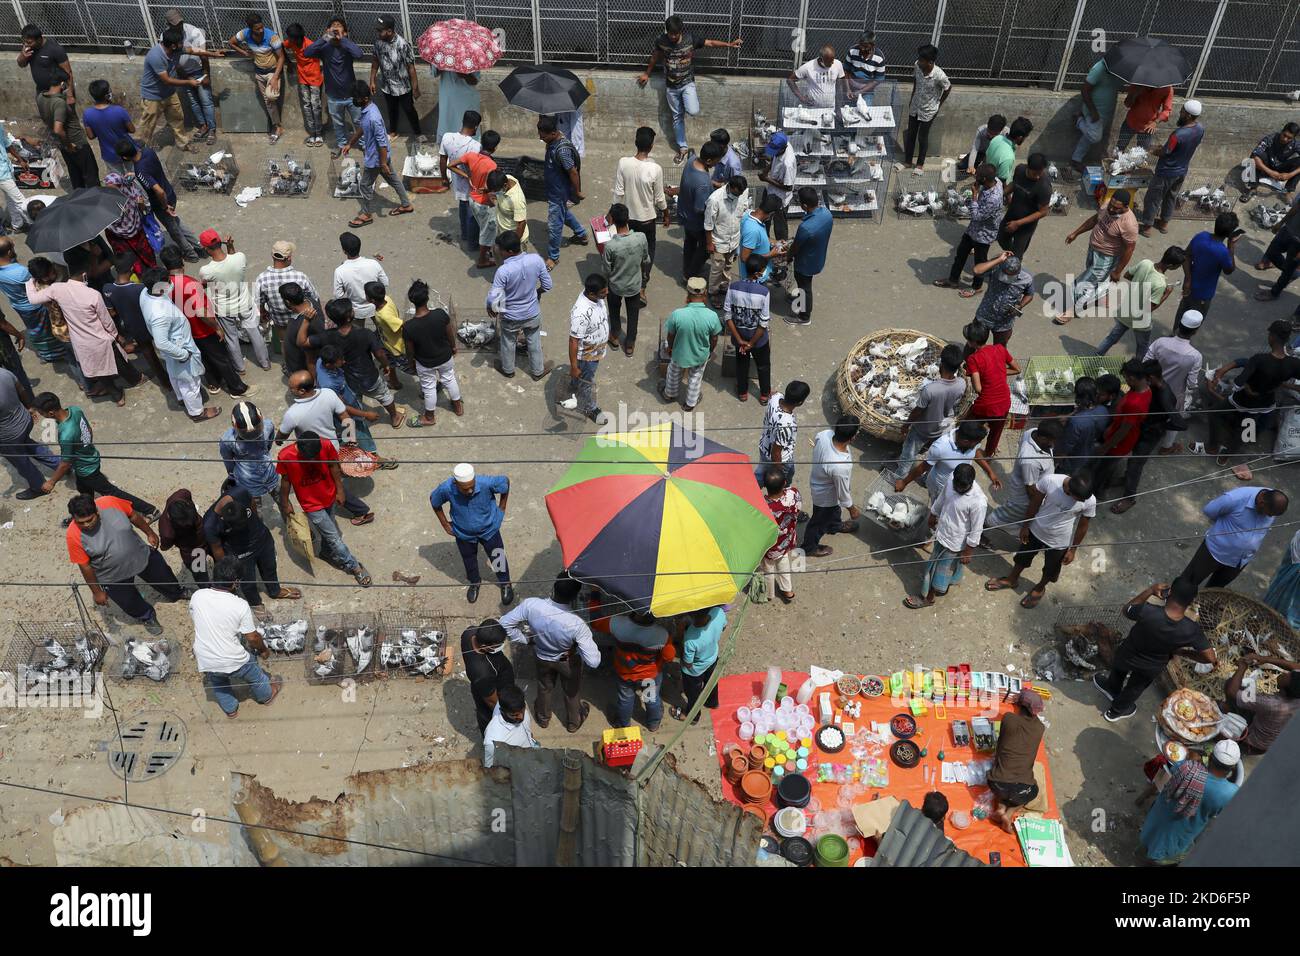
(621, 753)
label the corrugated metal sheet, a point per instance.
(912, 840)
(104, 835)
(683, 825)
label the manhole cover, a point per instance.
(151, 744)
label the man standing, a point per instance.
(817, 81)
(935, 405)
(107, 123)
(930, 88)
(949, 450)
(626, 256)
(1179, 362)
(103, 543)
(361, 350)
(1010, 289)
(16, 445)
(234, 529)
(1131, 305)
(508, 725)
(1100, 94)
(562, 646)
(1033, 463)
(832, 468)
(61, 120)
(317, 410)
(430, 338)
(1208, 257)
(675, 48)
(1283, 252)
(48, 62)
(451, 150)
(225, 280)
(392, 72)
(692, 332)
(639, 184)
(158, 85)
(353, 274)
(188, 295)
(985, 220)
(754, 240)
(746, 313)
(475, 167)
(1159, 634)
(514, 301)
(1171, 169)
(311, 80)
(143, 161)
(310, 467)
(726, 206)
(1125, 426)
(193, 64)
(778, 180)
(1029, 197)
(956, 518)
(780, 435)
(224, 633)
(1055, 525)
(476, 519)
(370, 130)
(1241, 519)
(174, 342)
(692, 195)
(265, 48)
(808, 253)
(487, 668)
(1113, 233)
(563, 176)
(245, 449)
(641, 649)
(1148, 107)
(866, 63)
(589, 340)
(266, 287)
(337, 53)
(1002, 149)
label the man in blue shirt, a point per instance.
(754, 240)
(337, 54)
(1241, 519)
(158, 84)
(144, 162)
(374, 139)
(107, 122)
(265, 48)
(515, 302)
(808, 253)
(692, 193)
(1208, 256)
(476, 518)
(729, 164)
(1175, 157)
(563, 177)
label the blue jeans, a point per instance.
(912, 446)
(332, 548)
(23, 453)
(507, 335)
(201, 105)
(337, 110)
(1142, 337)
(559, 215)
(250, 676)
(650, 697)
(682, 101)
(585, 386)
(468, 224)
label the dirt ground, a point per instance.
(878, 275)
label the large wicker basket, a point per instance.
(1223, 616)
(873, 415)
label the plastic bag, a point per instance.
(1287, 445)
(152, 231)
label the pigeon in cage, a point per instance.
(349, 179)
(1130, 159)
(59, 659)
(146, 659)
(1059, 202)
(476, 334)
(327, 663)
(89, 655)
(362, 645)
(284, 638)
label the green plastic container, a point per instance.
(832, 850)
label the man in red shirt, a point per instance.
(988, 366)
(475, 167)
(189, 296)
(311, 467)
(1148, 107)
(1125, 425)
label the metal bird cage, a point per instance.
(332, 639)
(139, 661)
(288, 177)
(215, 172)
(475, 329)
(530, 173)
(413, 644)
(58, 656)
(880, 510)
(345, 177)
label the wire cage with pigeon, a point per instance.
(899, 513)
(530, 172)
(1203, 202)
(50, 654)
(142, 660)
(340, 646)
(288, 177)
(413, 644)
(475, 329)
(923, 197)
(287, 639)
(215, 172)
(345, 177)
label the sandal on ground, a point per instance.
(415, 421)
(366, 518)
(945, 284)
(388, 464)
(287, 594)
(1123, 505)
(1242, 473)
(968, 293)
(677, 713)
(1062, 320)
(1031, 600)
(915, 603)
(401, 210)
(742, 397)
(277, 685)
(362, 576)
(357, 222)
(997, 584)
(208, 413)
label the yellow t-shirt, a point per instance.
(511, 208)
(389, 322)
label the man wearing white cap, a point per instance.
(475, 520)
(1193, 795)
(1175, 156)
(1179, 362)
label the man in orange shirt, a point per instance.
(1148, 107)
(642, 647)
(190, 297)
(310, 81)
(475, 167)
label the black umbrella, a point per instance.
(71, 220)
(544, 89)
(1146, 61)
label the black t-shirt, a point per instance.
(1027, 196)
(295, 359)
(1159, 415)
(487, 673)
(1151, 643)
(235, 539)
(45, 67)
(428, 337)
(1262, 376)
(357, 347)
(678, 58)
(124, 300)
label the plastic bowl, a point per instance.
(794, 791)
(790, 822)
(832, 850)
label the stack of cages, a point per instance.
(215, 172)
(413, 644)
(342, 646)
(288, 177)
(55, 658)
(841, 146)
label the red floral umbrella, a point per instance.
(459, 45)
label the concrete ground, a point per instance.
(877, 275)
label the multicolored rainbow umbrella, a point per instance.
(661, 517)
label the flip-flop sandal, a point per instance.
(414, 421)
(1119, 507)
(1062, 320)
(277, 685)
(1029, 601)
(743, 398)
(967, 293)
(677, 713)
(358, 223)
(388, 464)
(1242, 473)
(914, 603)
(287, 594)
(945, 284)
(401, 210)
(402, 419)
(363, 577)
(366, 518)
(996, 585)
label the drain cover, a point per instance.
(152, 742)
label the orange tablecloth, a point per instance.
(981, 838)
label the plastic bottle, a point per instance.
(770, 684)
(806, 690)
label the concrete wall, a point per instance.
(617, 106)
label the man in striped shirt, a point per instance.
(746, 314)
(866, 63)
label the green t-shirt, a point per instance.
(692, 326)
(76, 443)
(1105, 89)
(1002, 154)
(1144, 292)
(623, 258)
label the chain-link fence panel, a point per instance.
(570, 31)
(195, 13)
(314, 15)
(514, 18)
(1185, 24)
(1284, 74)
(118, 22)
(769, 32)
(425, 13)
(1104, 21)
(363, 20)
(631, 27)
(900, 28)
(1037, 34)
(837, 22)
(1245, 50)
(973, 36)
(65, 23)
(10, 28)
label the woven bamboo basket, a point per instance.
(873, 414)
(1223, 616)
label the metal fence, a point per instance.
(1237, 47)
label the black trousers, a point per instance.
(83, 171)
(1137, 461)
(259, 561)
(128, 597)
(107, 384)
(616, 304)
(1103, 470)
(568, 674)
(762, 356)
(804, 311)
(218, 369)
(1126, 685)
(404, 104)
(964, 249)
(98, 484)
(693, 684)
(1053, 558)
(695, 253)
(916, 138)
(825, 520)
(1016, 243)
(647, 228)
(1203, 565)
(780, 225)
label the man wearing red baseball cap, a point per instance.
(225, 278)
